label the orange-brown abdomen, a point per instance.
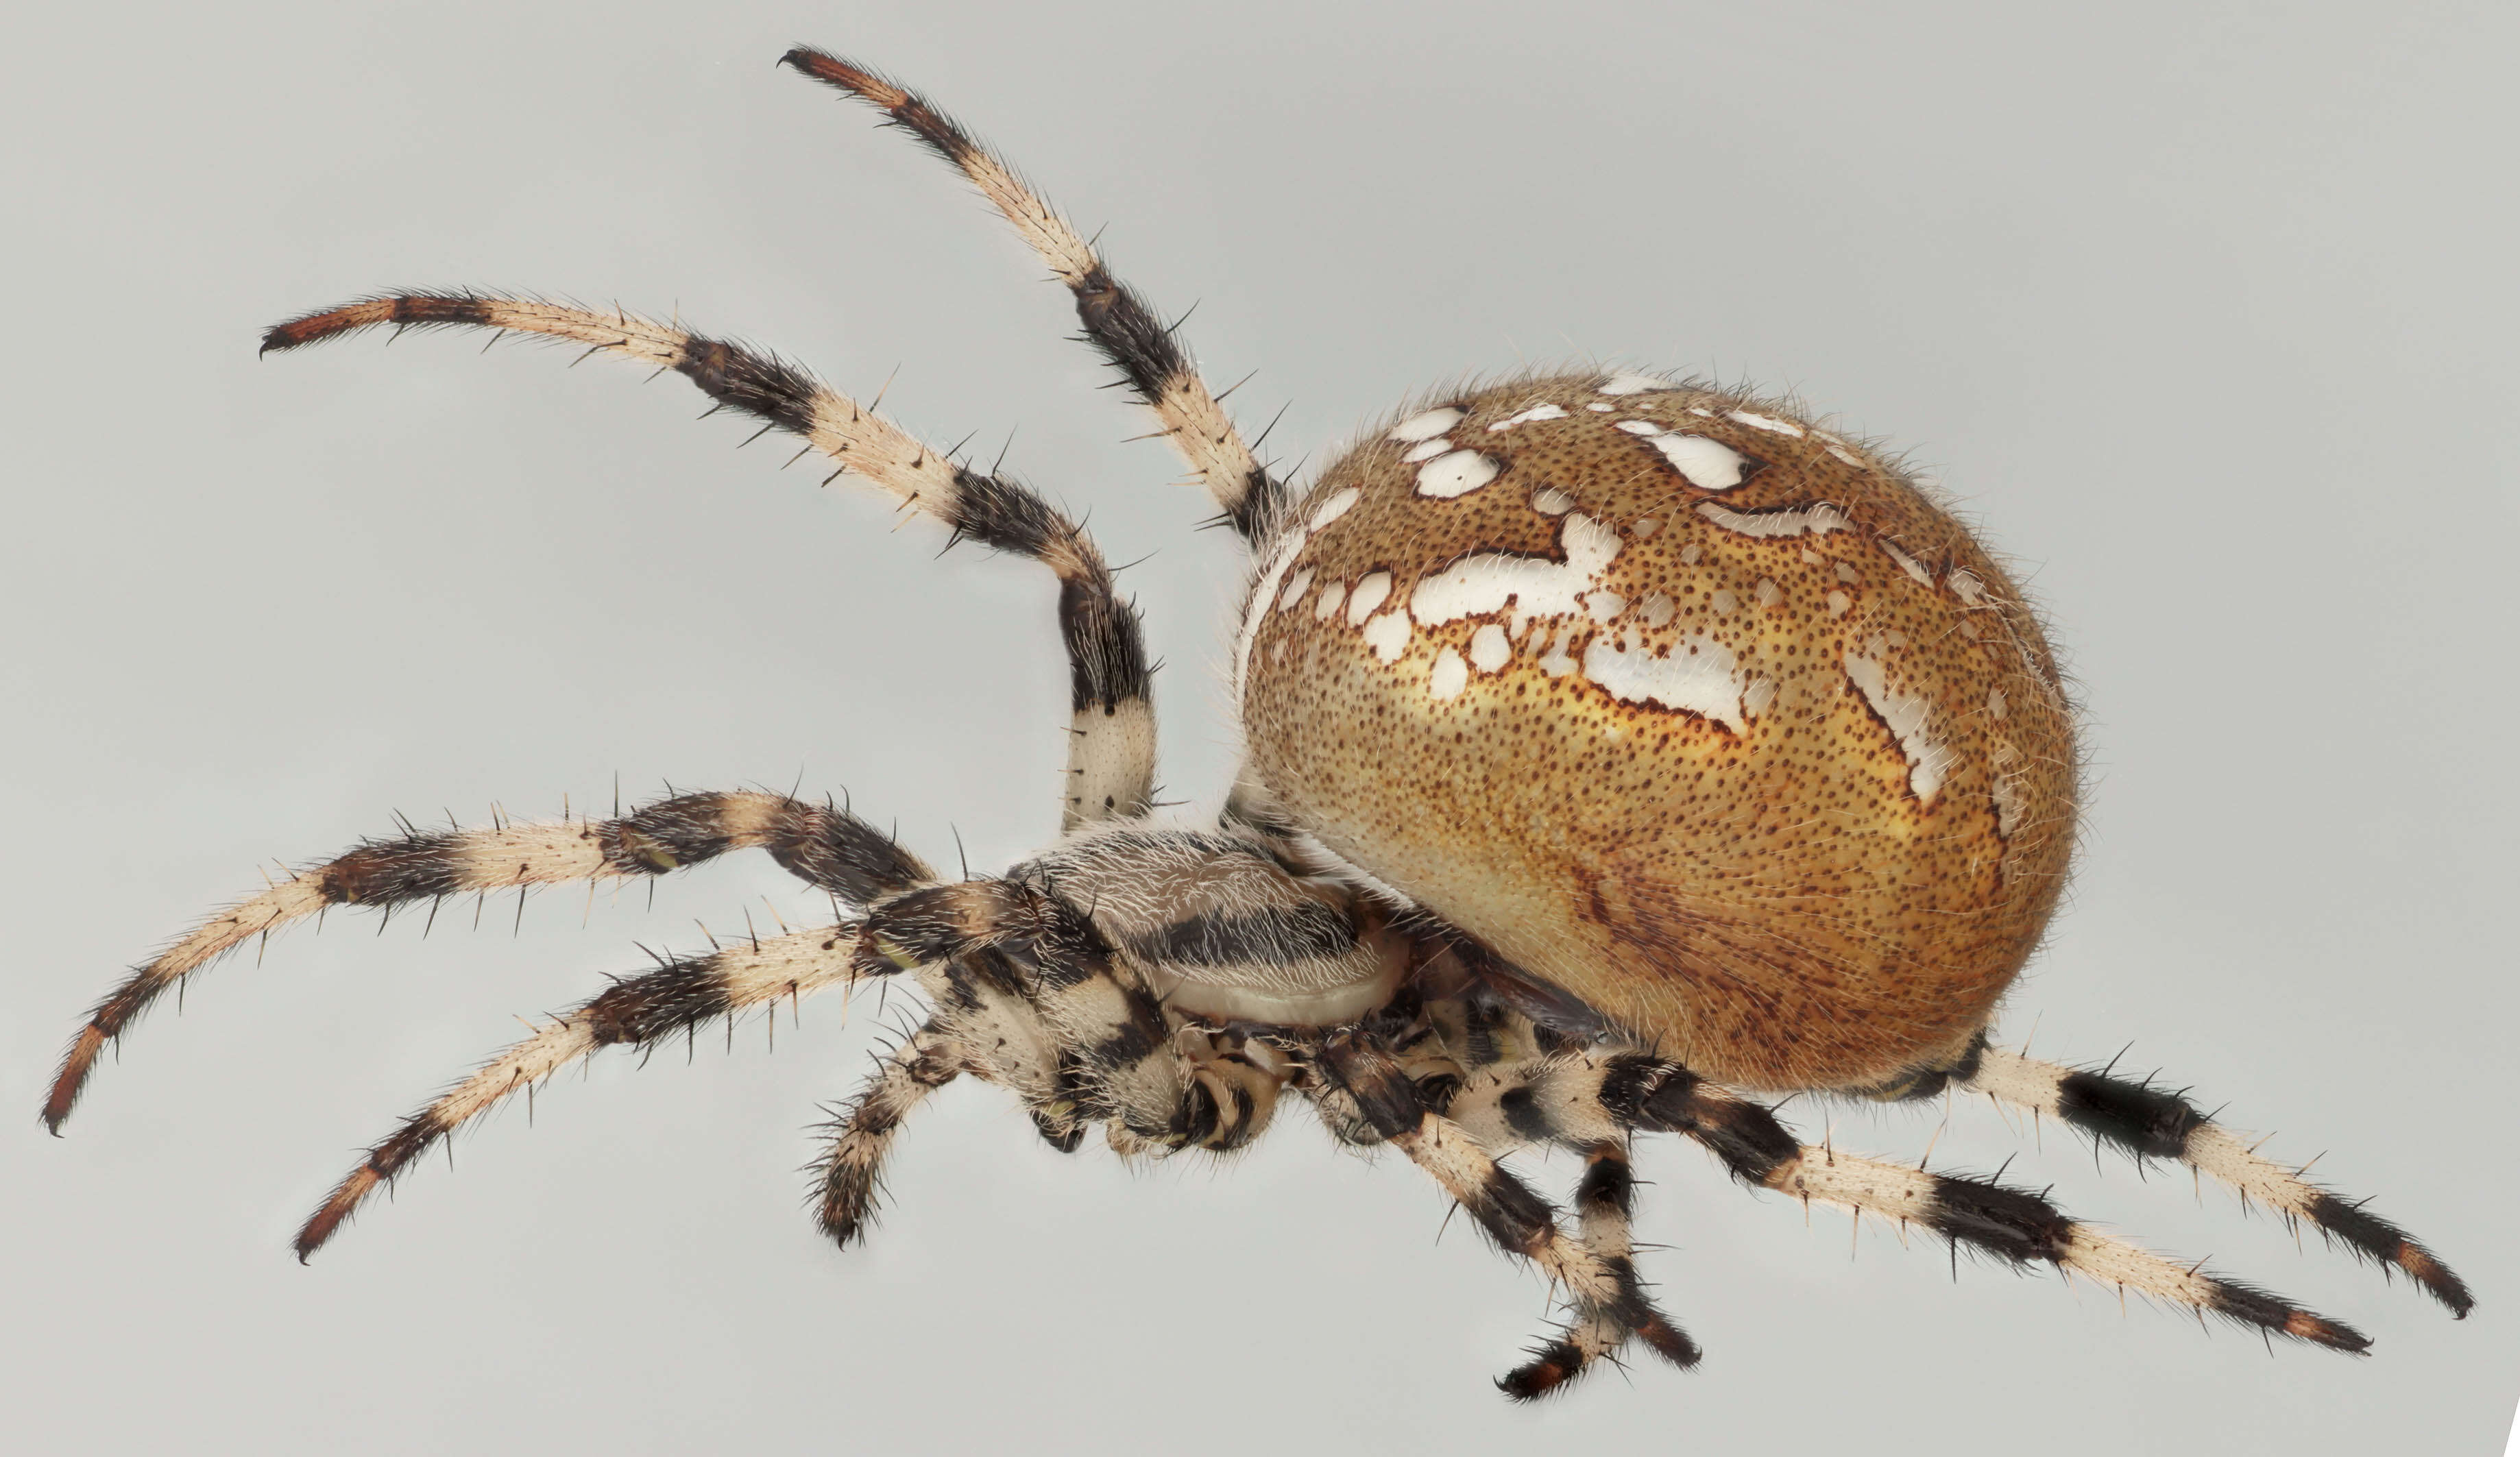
(1705, 714)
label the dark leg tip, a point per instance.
(1550, 1368)
(1669, 1342)
(2435, 1278)
(2318, 1330)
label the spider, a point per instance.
(1621, 750)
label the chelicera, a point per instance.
(1620, 750)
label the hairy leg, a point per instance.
(1111, 752)
(850, 1174)
(2152, 1124)
(1551, 1098)
(1604, 1294)
(640, 1011)
(2014, 1225)
(1117, 320)
(1109, 1033)
(825, 847)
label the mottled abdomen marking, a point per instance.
(1696, 710)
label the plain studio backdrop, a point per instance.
(2203, 310)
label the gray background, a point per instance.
(2204, 310)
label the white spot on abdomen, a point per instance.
(1708, 465)
(1909, 717)
(1694, 676)
(1387, 635)
(1426, 426)
(1536, 411)
(1490, 649)
(1535, 586)
(1331, 596)
(1549, 500)
(1297, 585)
(1450, 676)
(1554, 662)
(1633, 384)
(1455, 474)
(1766, 422)
(1263, 593)
(1809, 521)
(1906, 563)
(1369, 594)
(1425, 450)
(2007, 803)
(1335, 507)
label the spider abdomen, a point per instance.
(1703, 714)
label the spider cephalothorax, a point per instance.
(1617, 746)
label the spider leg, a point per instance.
(1605, 1211)
(825, 848)
(850, 1172)
(1117, 322)
(640, 1012)
(983, 1025)
(1517, 1219)
(1553, 1099)
(1111, 751)
(2014, 1225)
(2152, 1124)
(1107, 1029)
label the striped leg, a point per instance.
(1111, 753)
(1107, 1029)
(825, 847)
(637, 1012)
(2150, 1123)
(850, 1174)
(1117, 322)
(2018, 1227)
(1554, 1099)
(1518, 1220)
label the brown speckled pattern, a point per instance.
(1795, 885)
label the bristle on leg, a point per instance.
(638, 1011)
(1117, 322)
(2149, 1123)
